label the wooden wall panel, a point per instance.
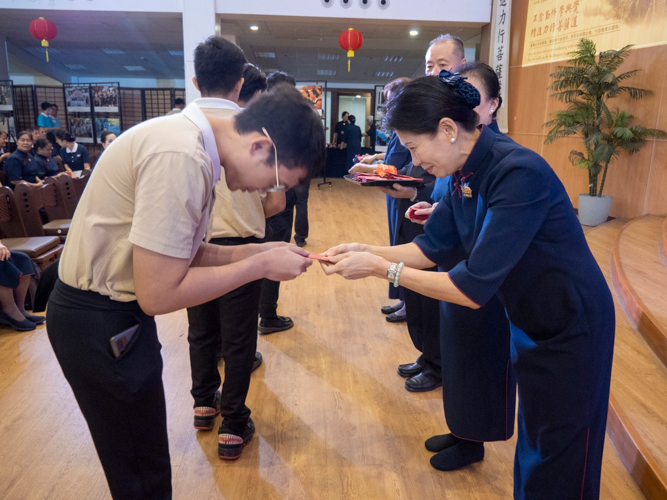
(638, 183)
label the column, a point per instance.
(198, 24)
(4, 60)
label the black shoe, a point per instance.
(423, 382)
(410, 369)
(258, 361)
(277, 324)
(391, 309)
(38, 320)
(300, 243)
(20, 326)
(205, 415)
(458, 456)
(230, 446)
(395, 318)
(438, 443)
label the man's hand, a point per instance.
(345, 248)
(285, 263)
(399, 191)
(356, 265)
(4, 253)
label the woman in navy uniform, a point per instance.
(46, 166)
(479, 398)
(20, 166)
(512, 216)
(74, 155)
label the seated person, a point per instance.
(20, 166)
(106, 138)
(74, 155)
(16, 268)
(4, 151)
(46, 166)
(36, 133)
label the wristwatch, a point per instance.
(391, 272)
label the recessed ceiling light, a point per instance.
(74, 66)
(414, 32)
(113, 51)
(266, 55)
(326, 72)
(358, 97)
(176, 52)
(393, 59)
(254, 27)
(328, 57)
(135, 68)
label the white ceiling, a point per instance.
(301, 46)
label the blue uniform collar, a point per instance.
(473, 168)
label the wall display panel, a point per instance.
(382, 134)
(131, 107)
(158, 102)
(24, 107)
(106, 125)
(554, 27)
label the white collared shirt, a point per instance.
(73, 150)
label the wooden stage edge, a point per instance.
(634, 454)
(651, 329)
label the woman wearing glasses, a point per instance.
(523, 243)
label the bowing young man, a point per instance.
(136, 248)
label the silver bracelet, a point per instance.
(398, 274)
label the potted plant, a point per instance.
(586, 86)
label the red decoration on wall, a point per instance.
(43, 30)
(350, 40)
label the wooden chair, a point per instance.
(80, 183)
(43, 250)
(66, 193)
(31, 199)
(59, 162)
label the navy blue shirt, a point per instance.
(75, 160)
(20, 166)
(522, 238)
(46, 167)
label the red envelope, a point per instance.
(412, 215)
(316, 256)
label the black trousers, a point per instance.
(301, 217)
(227, 324)
(423, 319)
(121, 399)
(280, 226)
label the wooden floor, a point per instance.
(333, 419)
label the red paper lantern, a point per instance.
(350, 40)
(43, 30)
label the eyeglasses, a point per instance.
(277, 188)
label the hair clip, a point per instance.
(459, 85)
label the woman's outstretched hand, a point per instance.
(346, 248)
(355, 265)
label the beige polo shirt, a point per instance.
(153, 187)
(236, 214)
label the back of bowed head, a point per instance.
(419, 106)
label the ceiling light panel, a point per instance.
(393, 59)
(113, 51)
(326, 72)
(266, 55)
(176, 52)
(328, 57)
(385, 74)
(74, 66)
(135, 68)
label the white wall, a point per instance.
(356, 107)
(99, 5)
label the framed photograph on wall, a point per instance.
(77, 98)
(82, 129)
(6, 96)
(105, 98)
(106, 125)
(314, 94)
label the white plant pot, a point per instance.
(594, 210)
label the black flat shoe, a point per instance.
(20, 326)
(438, 443)
(395, 318)
(278, 324)
(458, 456)
(258, 361)
(391, 309)
(38, 320)
(422, 383)
(410, 369)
